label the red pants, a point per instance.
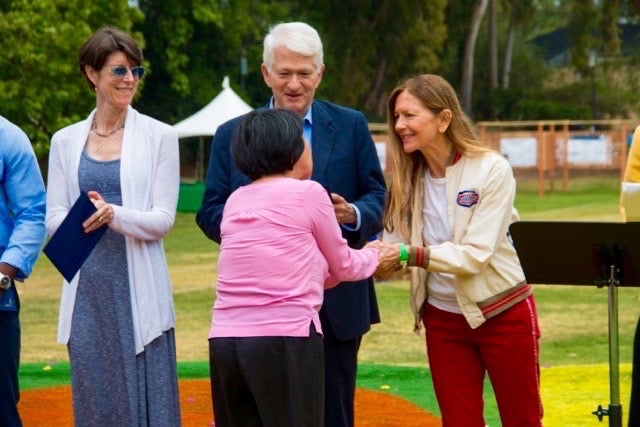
(505, 347)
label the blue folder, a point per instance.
(70, 246)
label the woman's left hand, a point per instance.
(102, 216)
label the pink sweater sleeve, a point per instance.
(345, 264)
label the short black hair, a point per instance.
(267, 142)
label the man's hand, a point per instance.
(345, 213)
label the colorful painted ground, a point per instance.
(386, 396)
(51, 407)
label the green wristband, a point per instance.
(404, 254)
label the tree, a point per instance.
(521, 13)
(583, 30)
(193, 45)
(371, 44)
(168, 28)
(41, 86)
(609, 26)
(469, 52)
(493, 44)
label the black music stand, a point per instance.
(584, 253)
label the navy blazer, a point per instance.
(344, 160)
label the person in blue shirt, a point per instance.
(22, 232)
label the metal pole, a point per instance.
(615, 409)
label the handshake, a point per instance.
(389, 260)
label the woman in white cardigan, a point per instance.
(116, 315)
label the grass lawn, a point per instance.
(573, 319)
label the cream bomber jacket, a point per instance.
(488, 277)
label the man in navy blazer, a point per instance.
(346, 163)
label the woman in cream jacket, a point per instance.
(449, 208)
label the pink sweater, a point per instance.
(281, 247)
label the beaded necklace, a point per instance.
(94, 128)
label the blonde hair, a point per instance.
(436, 94)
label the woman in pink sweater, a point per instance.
(281, 247)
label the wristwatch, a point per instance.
(5, 281)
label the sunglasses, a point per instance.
(121, 71)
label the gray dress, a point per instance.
(112, 386)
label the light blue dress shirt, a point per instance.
(22, 205)
(307, 133)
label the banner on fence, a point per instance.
(589, 150)
(521, 152)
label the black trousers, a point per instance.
(634, 405)
(267, 381)
(340, 371)
(9, 363)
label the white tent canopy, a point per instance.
(223, 107)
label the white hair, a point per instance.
(295, 36)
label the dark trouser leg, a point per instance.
(341, 363)
(268, 381)
(9, 363)
(233, 404)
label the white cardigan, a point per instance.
(150, 179)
